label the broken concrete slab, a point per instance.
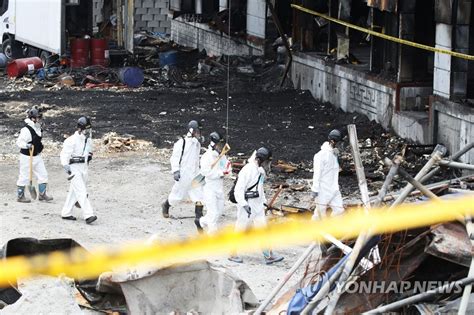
(199, 286)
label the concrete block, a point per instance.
(153, 23)
(165, 23)
(444, 35)
(255, 26)
(147, 17)
(441, 82)
(159, 17)
(148, 4)
(161, 4)
(141, 11)
(256, 8)
(138, 3)
(153, 11)
(140, 25)
(443, 61)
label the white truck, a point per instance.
(43, 27)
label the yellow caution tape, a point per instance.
(81, 264)
(384, 36)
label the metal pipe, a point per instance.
(425, 191)
(454, 157)
(453, 164)
(437, 154)
(285, 279)
(397, 160)
(421, 296)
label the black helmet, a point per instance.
(335, 135)
(84, 123)
(263, 154)
(215, 137)
(34, 113)
(194, 125)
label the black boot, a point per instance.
(198, 210)
(165, 207)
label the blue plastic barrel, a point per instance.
(168, 58)
(3, 61)
(131, 76)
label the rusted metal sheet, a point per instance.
(384, 5)
(450, 242)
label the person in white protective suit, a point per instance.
(75, 157)
(325, 187)
(251, 201)
(30, 140)
(214, 167)
(185, 167)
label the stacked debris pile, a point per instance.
(116, 143)
(394, 271)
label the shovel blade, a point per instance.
(32, 191)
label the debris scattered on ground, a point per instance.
(124, 143)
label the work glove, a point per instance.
(67, 168)
(89, 157)
(314, 194)
(248, 210)
(177, 176)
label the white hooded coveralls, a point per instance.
(77, 145)
(213, 190)
(326, 182)
(189, 168)
(39, 170)
(248, 176)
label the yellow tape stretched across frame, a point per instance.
(384, 36)
(81, 264)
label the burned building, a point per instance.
(422, 95)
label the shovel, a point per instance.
(32, 188)
(200, 180)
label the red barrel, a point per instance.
(80, 48)
(99, 52)
(18, 67)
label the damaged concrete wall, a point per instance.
(199, 35)
(355, 91)
(344, 88)
(453, 126)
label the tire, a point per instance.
(45, 57)
(7, 48)
(12, 49)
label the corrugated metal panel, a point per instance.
(384, 5)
